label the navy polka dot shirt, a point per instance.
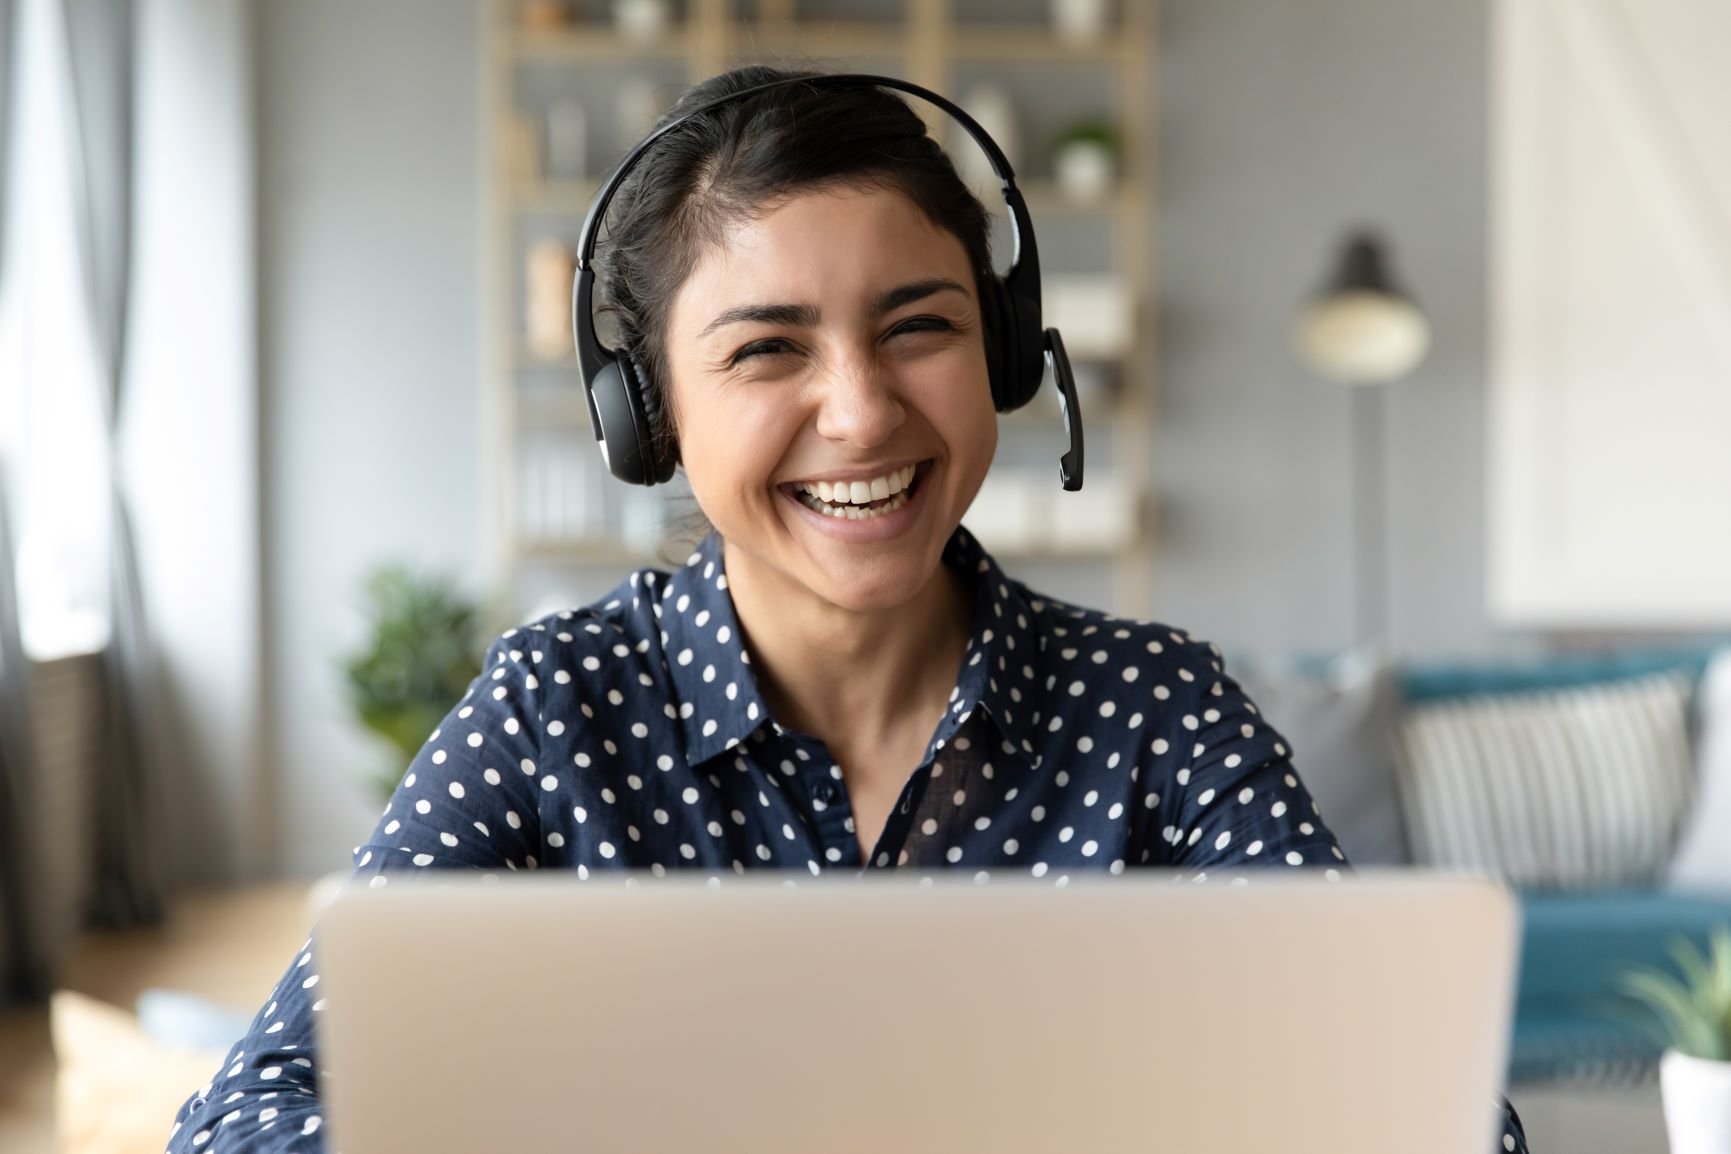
(630, 735)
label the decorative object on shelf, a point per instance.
(559, 497)
(642, 21)
(548, 270)
(545, 15)
(1095, 383)
(523, 159)
(420, 656)
(1016, 512)
(1080, 21)
(1094, 312)
(1085, 161)
(1694, 1025)
(567, 139)
(636, 109)
(991, 106)
(1362, 330)
(1099, 520)
(1003, 513)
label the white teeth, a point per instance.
(861, 492)
(842, 498)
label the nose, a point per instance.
(858, 404)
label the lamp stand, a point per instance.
(1370, 514)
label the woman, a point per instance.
(839, 677)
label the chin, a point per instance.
(877, 584)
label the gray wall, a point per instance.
(369, 238)
(1281, 125)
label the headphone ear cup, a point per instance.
(615, 397)
(657, 463)
(615, 426)
(1024, 341)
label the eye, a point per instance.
(923, 325)
(756, 348)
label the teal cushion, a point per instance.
(1438, 681)
(1573, 947)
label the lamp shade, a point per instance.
(1362, 329)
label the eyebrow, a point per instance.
(806, 315)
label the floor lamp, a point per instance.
(1364, 331)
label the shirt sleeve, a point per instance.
(1229, 796)
(1236, 800)
(468, 800)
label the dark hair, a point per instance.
(736, 161)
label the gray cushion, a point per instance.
(1339, 721)
(1566, 789)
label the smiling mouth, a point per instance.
(859, 501)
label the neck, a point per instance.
(833, 672)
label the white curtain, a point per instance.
(101, 51)
(23, 952)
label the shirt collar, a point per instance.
(1002, 651)
(706, 626)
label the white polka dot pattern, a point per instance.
(631, 735)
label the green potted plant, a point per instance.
(1691, 1018)
(1085, 160)
(418, 660)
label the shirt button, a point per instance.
(824, 792)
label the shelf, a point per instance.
(833, 38)
(1046, 198)
(570, 410)
(1037, 45)
(569, 197)
(524, 358)
(596, 42)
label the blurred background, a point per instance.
(1403, 340)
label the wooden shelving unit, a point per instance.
(531, 397)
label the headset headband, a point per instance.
(1000, 164)
(1024, 266)
(1020, 285)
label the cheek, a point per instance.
(731, 450)
(957, 403)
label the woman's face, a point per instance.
(829, 382)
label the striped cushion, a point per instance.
(1578, 788)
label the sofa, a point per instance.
(1359, 728)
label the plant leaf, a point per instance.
(1671, 1001)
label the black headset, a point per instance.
(622, 403)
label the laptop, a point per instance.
(867, 1014)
